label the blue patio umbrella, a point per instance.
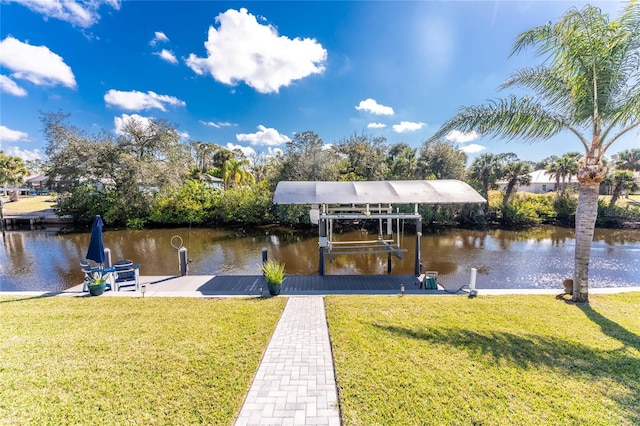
(96, 245)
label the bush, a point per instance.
(565, 206)
(192, 203)
(617, 216)
(244, 205)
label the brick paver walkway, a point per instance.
(295, 383)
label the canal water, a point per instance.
(535, 258)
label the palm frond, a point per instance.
(550, 84)
(508, 118)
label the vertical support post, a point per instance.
(389, 263)
(418, 254)
(107, 257)
(2, 216)
(264, 255)
(472, 282)
(182, 259)
(322, 232)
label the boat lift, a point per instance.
(389, 240)
(331, 201)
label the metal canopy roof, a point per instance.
(376, 192)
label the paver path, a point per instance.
(295, 383)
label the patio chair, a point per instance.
(126, 274)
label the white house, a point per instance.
(541, 183)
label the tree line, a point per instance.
(145, 176)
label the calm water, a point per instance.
(536, 258)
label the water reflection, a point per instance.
(535, 258)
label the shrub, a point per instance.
(273, 271)
(565, 206)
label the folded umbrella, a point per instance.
(96, 245)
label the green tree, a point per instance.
(621, 180)
(234, 173)
(306, 158)
(486, 170)
(627, 160)
(146, 158)
(563, 169)
(515, 174)
(587, 85)
(441, 160)
(402, 163)
(364, 157)
(12, 170)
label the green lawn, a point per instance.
(492, 360)
(508, 360)
(116, 361)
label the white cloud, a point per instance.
(9, 86)
(25, 154)
(184, 135)
(82, 14)
(9, 135)
(243, 50)
(159, 36)
(264, 136)
(472, 148)
(119, 122)
(462, 137)
(137, 101)
(246, 150)
(372, 106)
(36, 64)
(407, 126)
(217, 125)
(376, 125)
(167, 55)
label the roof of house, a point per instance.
(376, 192)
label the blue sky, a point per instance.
(251, 74)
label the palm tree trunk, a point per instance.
(585, 224)
(616, 194)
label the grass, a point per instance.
(493, 360)
(516, 360)
(28, 204)
(99, 360)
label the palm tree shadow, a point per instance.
(611, 328)
(564, 356)
(40, 296)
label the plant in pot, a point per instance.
(274, 274)
(97, 282)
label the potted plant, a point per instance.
(97, 282)
(274, 274)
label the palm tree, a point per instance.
(234, 173)
(553, 169)
(588, 85)
(12, 171)
(628, 160)
(563, 169)
(515, 173)
(621, 179)
(486, 171)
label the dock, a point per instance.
(303, 285)
(251, 285)
(34, 220)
